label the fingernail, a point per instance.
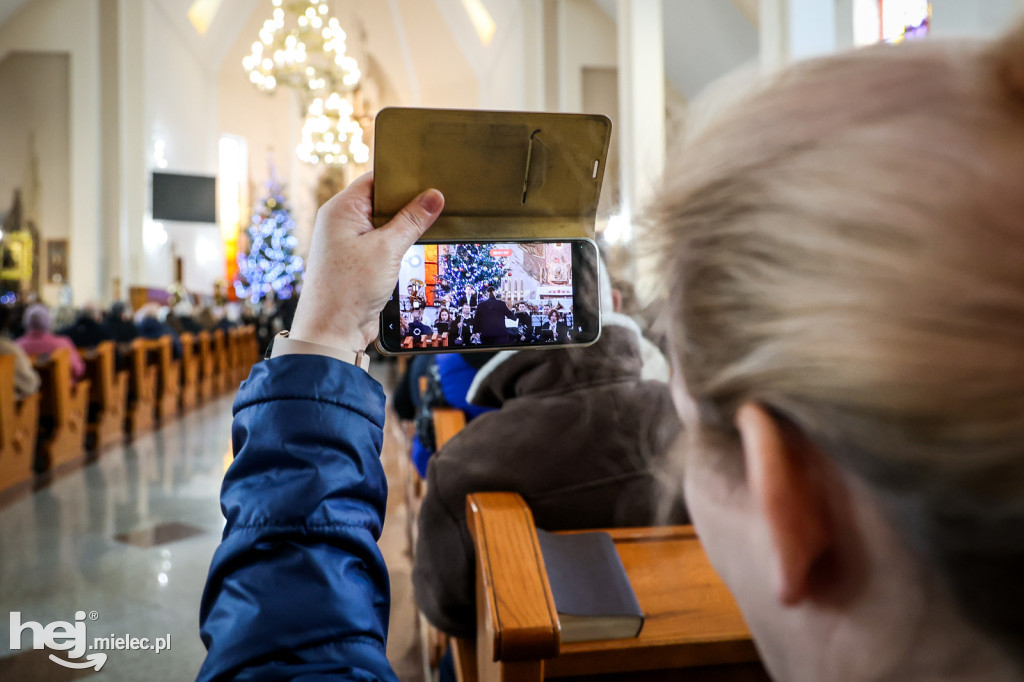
(432, 201)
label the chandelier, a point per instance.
(331, 135)
(303, 48)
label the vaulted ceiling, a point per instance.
(427, 45)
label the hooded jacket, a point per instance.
(576, 434)
(298, 588)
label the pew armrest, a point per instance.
(516, 615)
(448, 421)
(26, 421)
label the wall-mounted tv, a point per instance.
(188, 198)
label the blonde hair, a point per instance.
(846, 247)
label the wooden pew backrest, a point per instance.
(448, 421)
(141, 388)
(109, 395)
(18, 429)
(168, 384)
(190, 361)
(64, 406)
(693, 628)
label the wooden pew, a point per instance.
(19, 424)
(221, 361)
(207, 378)
(236, 356)
(693, 628)
(250, 349)
(63, 412)
(448, 421)
(141, 388)
(168, 377)
(108, 398)
(188, 397)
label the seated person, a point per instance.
(490, 319)
(26, 379)
(464, 329)
(576, 433)
(418, 328)
(468, 297)
(87, 331)
(148, 320)
(413, 299)
(118, 323)
(206, 319)
(228, 317)
(449, 377)
(443, 322)
(180, 318)
(525, 323)
(554, 330)
(39, 338)
(406, 396)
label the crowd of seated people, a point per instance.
(29, 329)
(473, 318)
(39, 338)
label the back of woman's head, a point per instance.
(38, 318)
(846, 249)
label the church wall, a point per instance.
(35, 85)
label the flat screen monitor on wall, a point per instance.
(189, 198)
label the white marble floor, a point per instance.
(60, 553)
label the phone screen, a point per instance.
(487, 295)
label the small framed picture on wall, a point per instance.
(56, 261)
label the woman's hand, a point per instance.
(352, 267)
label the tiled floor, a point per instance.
(128, 540)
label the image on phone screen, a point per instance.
(477, 295)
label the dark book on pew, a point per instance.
(590, 586)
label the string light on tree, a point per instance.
(270, 264)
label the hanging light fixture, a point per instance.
(304, 48)
(331, 135)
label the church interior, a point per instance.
(163, 166)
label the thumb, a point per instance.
(412, 221)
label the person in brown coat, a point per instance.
(578, 435)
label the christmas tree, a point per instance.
(472, 264)
(270, 263)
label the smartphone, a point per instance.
(466, 296)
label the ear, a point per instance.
(781, 475)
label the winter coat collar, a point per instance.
(514, 373)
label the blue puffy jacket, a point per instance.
(298, 588)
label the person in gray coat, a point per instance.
(578, 434)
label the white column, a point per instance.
(641, 124)
(134, 181)
(110, 261)
(85, 161)
(799, 29)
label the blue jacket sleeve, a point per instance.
(298, 588)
